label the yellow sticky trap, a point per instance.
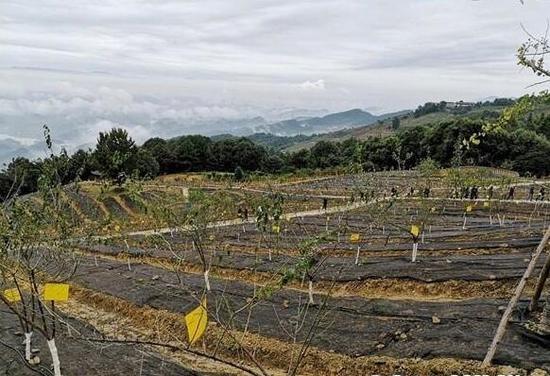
(486, 204)
(415, 230)
(354, 238)
(469, 208)
(12, 295)
(196, 322)
(276, 229)
(57, 292)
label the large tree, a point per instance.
(325, 154)
(161, 151)
(191, 152)
(115, 153)
(24, 174)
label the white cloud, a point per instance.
(250, 52)
(106, 101)
(312, 85)
(23, 141)
(78, 64)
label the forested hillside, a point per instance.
(427, 114)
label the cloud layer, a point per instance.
(134, 62)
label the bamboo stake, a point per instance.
(517, 294)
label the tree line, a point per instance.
(431, 107)
(523, 147)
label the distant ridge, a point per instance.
(329, 123)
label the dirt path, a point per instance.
(233, 222)
(301, 214)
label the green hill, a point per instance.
(485, 110)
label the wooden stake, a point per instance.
(540, 285)
(517, 294)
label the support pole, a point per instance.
(515, 298)
(540, 285)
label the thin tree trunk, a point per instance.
(55, 357)
(414, 251)
(310, 291)
(28, 345)
(207, 279)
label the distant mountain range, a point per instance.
(303, 130)
(78, 131)
(328, 123)
(348, 124)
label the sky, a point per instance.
(84, 66)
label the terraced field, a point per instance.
(317, 291)
(132, 210)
